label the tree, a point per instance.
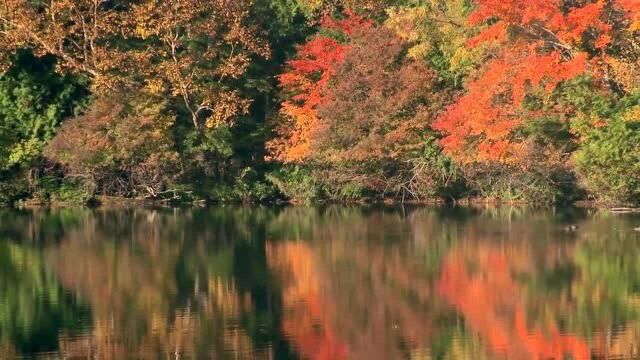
(437, 32)
(196, 47)
(376, 113)
(190, 49)
(360, 112)
(305, 83)
(608, 159)
(543, 44)
(33, 102)
(366, 7)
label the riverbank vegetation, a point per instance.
(320, 100)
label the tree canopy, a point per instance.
(327, 99)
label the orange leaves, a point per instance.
(543, 44)
(485, 118)
(513, 11)
(305, 83)
(578, 21)
(543, 20)
(632, 8)
(552, 22)
(496, 32)
(351, 23)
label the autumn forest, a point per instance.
(186, 101)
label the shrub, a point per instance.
(12, 189)
(543, 184)
(608, 161)
(296, 184)
(120, 148)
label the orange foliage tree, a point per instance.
(306, 82)
(542, 43)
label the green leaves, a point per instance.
(608, 159)
(33, 102)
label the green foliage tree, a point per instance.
(34, 100)
(608, 159)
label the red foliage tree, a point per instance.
(543, 43)
(306, 82)
(378, 104)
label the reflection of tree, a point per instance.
(159, 283)
(339, 282)
(305, 320)
(607, 290)
(157, 288)
(369, 262)
(480, 285)
(363, 301)
(33, 305)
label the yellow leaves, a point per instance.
(186, 71)
(83, 34)
(420, 51)
(311, 5)
(408, 23)
(626, 73)
(227, 106)
(235, 66)
(155, 86)
(437, 26)
(143, 31)
(404, 22)
(632, 114)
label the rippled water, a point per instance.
(311, 283)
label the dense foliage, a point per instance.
(305, 100)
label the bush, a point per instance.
(249, 186)
(608, 161)
(12, 189)
(543, 184)
(296, 184)
(71, 194)
(120, 148)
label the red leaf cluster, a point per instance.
(542, 44)
(306, 82)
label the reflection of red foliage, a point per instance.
(305, 320)
(490, 302)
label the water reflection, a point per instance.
(331, 283)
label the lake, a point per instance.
(319, 283)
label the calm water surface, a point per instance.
(309, 283)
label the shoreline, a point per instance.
(111, 202)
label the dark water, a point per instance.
(331, 283)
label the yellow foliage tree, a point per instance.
(437, 31)
(186, 48)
